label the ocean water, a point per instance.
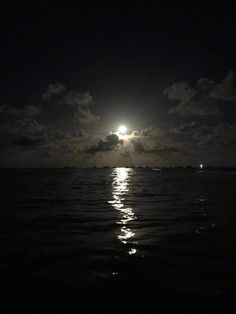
(117, 240)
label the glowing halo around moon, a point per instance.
(122, 133)
(122, 129)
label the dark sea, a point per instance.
(117, 240)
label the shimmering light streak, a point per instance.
(120, 188)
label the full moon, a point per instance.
(122, 129)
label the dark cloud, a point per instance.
(32, 111)
(85, 116)
(19, 126)
(29, 141)
(60, 131)
(149, 132)
(50, 130)
(59, 94)
(204, 98)
(8, 110)
(215, 137)
(126, 154)
(184, 128)
(202, 135)
(138, 146)
(69, 106)
(226, 90)
(30, 125)
(110, 143)
(26, 111)
(161, 149)
(149, 141)
(54, 90)
(80, 99)
(80, 133)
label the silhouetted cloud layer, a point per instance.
(63, 129)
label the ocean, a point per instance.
(117, 240)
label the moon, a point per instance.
(122, 129)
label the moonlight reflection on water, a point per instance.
(120, 188)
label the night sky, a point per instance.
(72, 74)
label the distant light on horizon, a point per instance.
(201, 166)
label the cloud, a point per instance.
(156, 141)
(184, 128)
(126, 154)
(216, 136)
(81, 99)
(49, 130)
(110, 143)
(200, 135)
(85, 116)
(30, 125)
(26, 111)
(149, 132)
(68, 105)
(138, 146)
(54, 90)
(63, 126)
(149, 140)
(32, 111)
(161, 149)
(59, 94)
(204, 98)
(8, 110)
(226, 90)
(29, 141)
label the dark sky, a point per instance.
(72, 73)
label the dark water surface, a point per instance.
(117, 240)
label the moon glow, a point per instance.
(122, 129)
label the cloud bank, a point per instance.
(63, 129)
(205, 97)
